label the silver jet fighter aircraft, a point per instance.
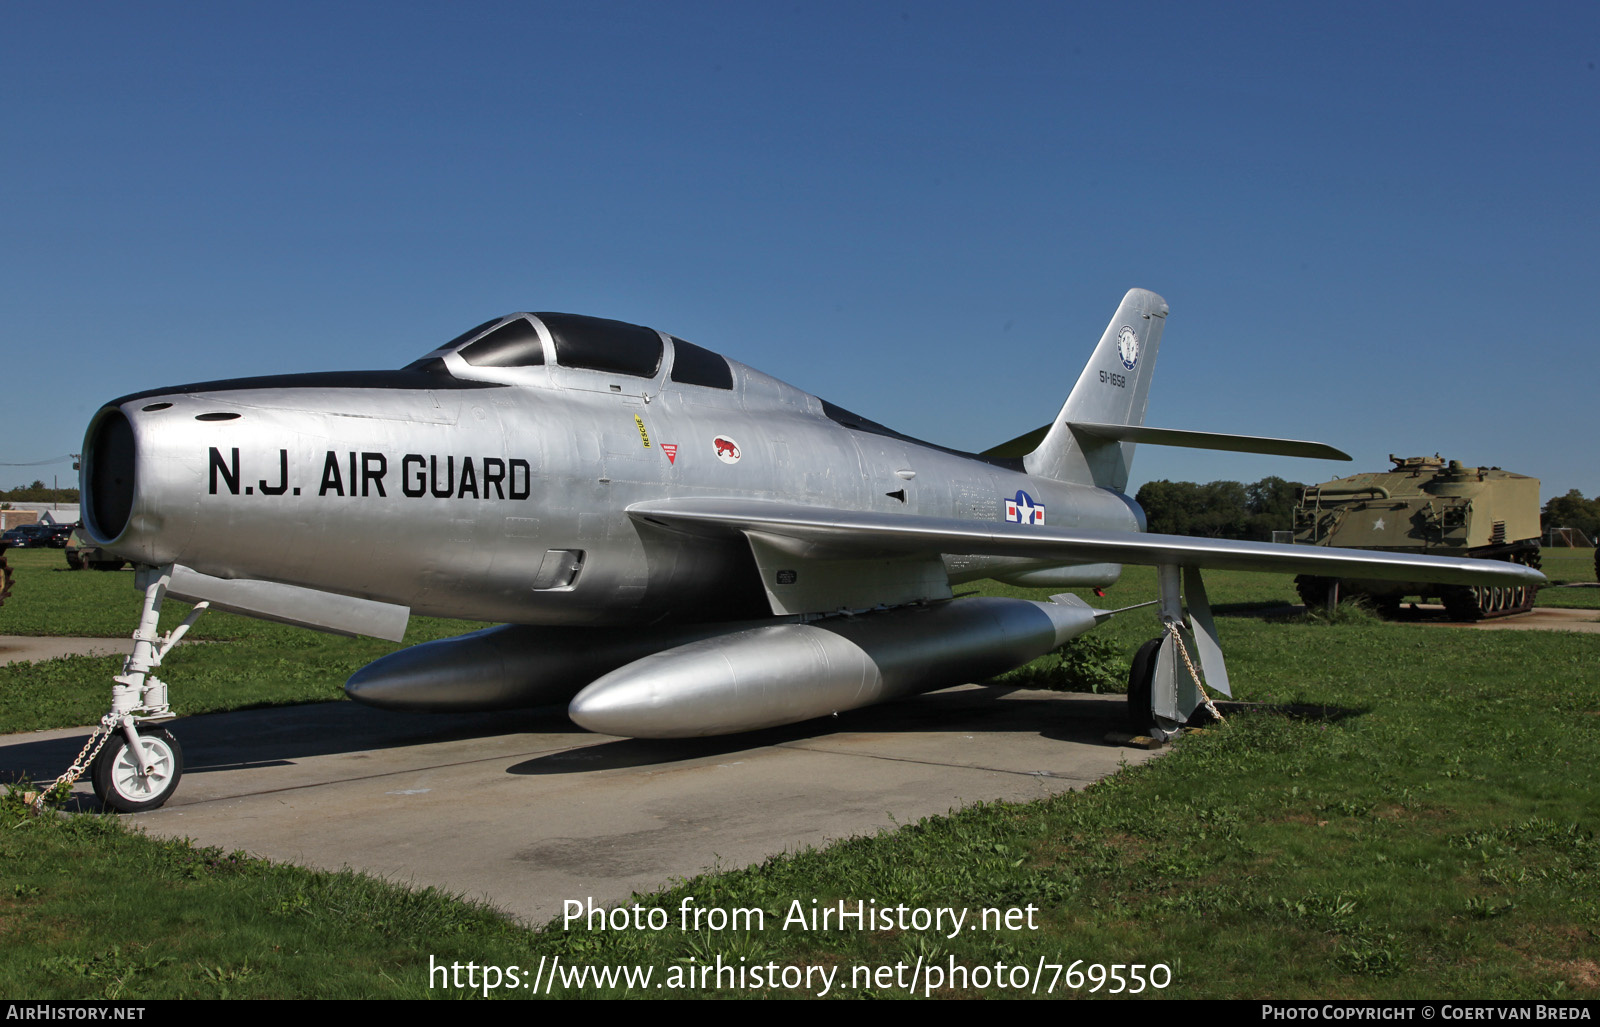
(676, 544)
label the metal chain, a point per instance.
(1211, 707)
(112, 722)
(79, 765)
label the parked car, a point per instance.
(28, 536)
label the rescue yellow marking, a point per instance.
(644, 436)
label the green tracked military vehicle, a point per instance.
(1425, 505)
(82, 554)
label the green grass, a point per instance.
(1431, 833)
(246, 663)
(1570, 566)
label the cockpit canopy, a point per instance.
(590, 343)
(582, 343)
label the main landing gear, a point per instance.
(1164, 683)
(1141, 685)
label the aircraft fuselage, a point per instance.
(506, 501)
(680, 545)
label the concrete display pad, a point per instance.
(524, 810)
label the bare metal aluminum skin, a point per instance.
(778, 674)
(831, 531)
(740, 553)
(448, 501)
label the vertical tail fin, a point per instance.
(1113, 390)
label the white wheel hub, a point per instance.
(135, 786)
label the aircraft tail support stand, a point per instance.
(1175, 687)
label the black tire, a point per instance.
(1313, 591)
(1141, 687)
(1387, 607)
(1201, 717)
(117, 782)
(1461, 603)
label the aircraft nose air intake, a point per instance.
(108, 475)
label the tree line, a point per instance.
(38, 492)
(1573, 511)
(1220, 509)
(1227, 509)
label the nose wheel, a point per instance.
(133, 764)
(130, 783)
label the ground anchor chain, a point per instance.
(1163, 725)
(136, 769)
(1160, 701)
(1183, 650)
(86, 758)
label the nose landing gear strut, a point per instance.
(136, 764)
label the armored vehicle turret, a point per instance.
(1424, 504)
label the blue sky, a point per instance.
(1374, 223)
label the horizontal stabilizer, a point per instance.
(1208, 440)
(1024, 444)
(842, 534)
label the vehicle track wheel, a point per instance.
(117, 781)
(1387, 607)
(1313, 591)
(1141, 687)
(1461, 602)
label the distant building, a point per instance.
(39, 513)
(13, 518)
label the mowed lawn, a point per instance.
(1406, 810)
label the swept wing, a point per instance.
(827, 534)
